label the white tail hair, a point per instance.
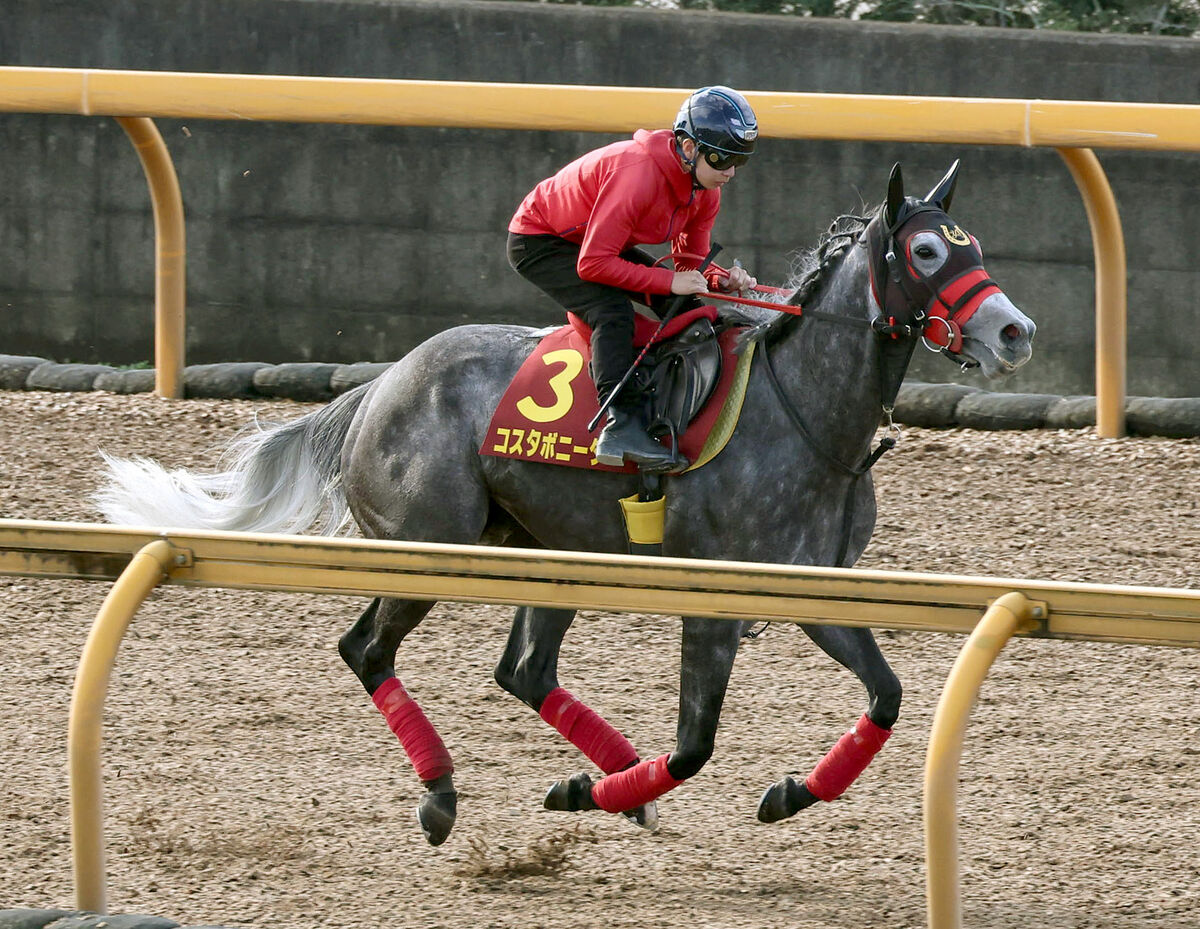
(282, 478)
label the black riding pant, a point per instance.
(548, 262)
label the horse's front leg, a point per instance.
(709, 647)
(857, 650)
(529, 671)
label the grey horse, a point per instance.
(792, 486)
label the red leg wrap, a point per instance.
(421, 742)
(588, 731)
(634, 787)
(846, 760)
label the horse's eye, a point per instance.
(924, 251)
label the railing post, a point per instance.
(148, 567)
(170, 281)
(1003, 618)
(1108, 245)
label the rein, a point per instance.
(898, 331)
(793, 309)
(889, 439)
(901, 335)
(886, 444)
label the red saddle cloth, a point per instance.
(544, 413)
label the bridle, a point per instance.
(908, 306)
(938, 304)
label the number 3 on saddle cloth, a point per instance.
(691, 379)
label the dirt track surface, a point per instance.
(250, 782)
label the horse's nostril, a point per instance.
(1012, 331)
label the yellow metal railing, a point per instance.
(1070, 127)
(170, 254)
(1108, 245)
(139, 559)
(622, 583)
(145, 571)
(1010, 614)
(469, 104)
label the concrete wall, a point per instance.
(344, 243)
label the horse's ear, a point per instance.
(895, 196)
(941, 195)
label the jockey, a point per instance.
(575, 236)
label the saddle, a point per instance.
(544, 413)
(679, 374)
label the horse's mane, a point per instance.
(809, 270)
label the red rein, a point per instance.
(781, 307)
(945, 332)
(748, 301)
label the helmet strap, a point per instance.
(691, 164)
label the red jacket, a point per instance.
(628, 193)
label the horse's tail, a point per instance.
(278, 478)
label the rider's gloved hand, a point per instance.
(739, 281)
(688, 282)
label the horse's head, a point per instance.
(927, 278)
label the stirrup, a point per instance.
(627, 439)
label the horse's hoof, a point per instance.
(571, 795)
(646, 817)
(782, 799)
(436, 813)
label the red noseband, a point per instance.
(954, 304)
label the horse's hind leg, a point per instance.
(855, 649)
(369, 648)
(709, 648)
(529, 671)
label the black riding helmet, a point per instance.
(721, 123)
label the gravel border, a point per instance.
(919, 404)
(25, 918)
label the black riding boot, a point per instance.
(624, 438)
